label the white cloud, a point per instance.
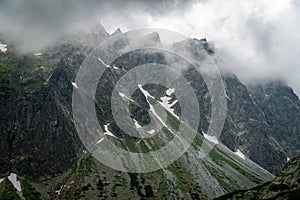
(258, 39)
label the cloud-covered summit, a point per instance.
(257, 39)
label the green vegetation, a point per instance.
(42, 73)
(183, 177)
(120, 179)
(5, 67)
(74, 165)
(221, 159)
(168, 133)
(244, 172)
(130, 144)
(29, 192)
(228, 183)
(30, 160)
(22, 71)
(35, 86)
(86, 165)
(173, 121)
(143, 147)
(10, 192)
(153, 143)
(216, 157)
(285, 186)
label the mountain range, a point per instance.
(40, 146)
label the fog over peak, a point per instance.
(257, 39)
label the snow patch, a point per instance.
(48, 79)
(151, 131)
(152, 110)
(287, 159)
(107, 132)
(75, 85)
(60, 189)
(124, 96)
(100, 140)
(146, 94)
(1, 179)
(240, 154)
(227, 96)
(13, 179)
(107, 66)
(38, 54)
(114, 67)
(165, 103)
(3, 47)
(170, 91)
(137, 125)
(210, 138)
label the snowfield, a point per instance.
(166, 102)
(13, 179)
(3, 47)
(107, 132)
(137, 125)
(125, 97)
(151, 131)
(210, 138)
(152, 110)
(100, 140)
(107, 66)
(74, 84)
(240, 154)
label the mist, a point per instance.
(257, 39)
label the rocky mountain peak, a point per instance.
(117, 31)
(153, 37)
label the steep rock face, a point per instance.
(7, 129)
(247, 128)
(89, 178)
(48, 109)
(285, 186)
(39, 137)
(46, 141)
(37, 125)
(281, 107)
(42, 140)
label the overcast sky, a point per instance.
(257, 38)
